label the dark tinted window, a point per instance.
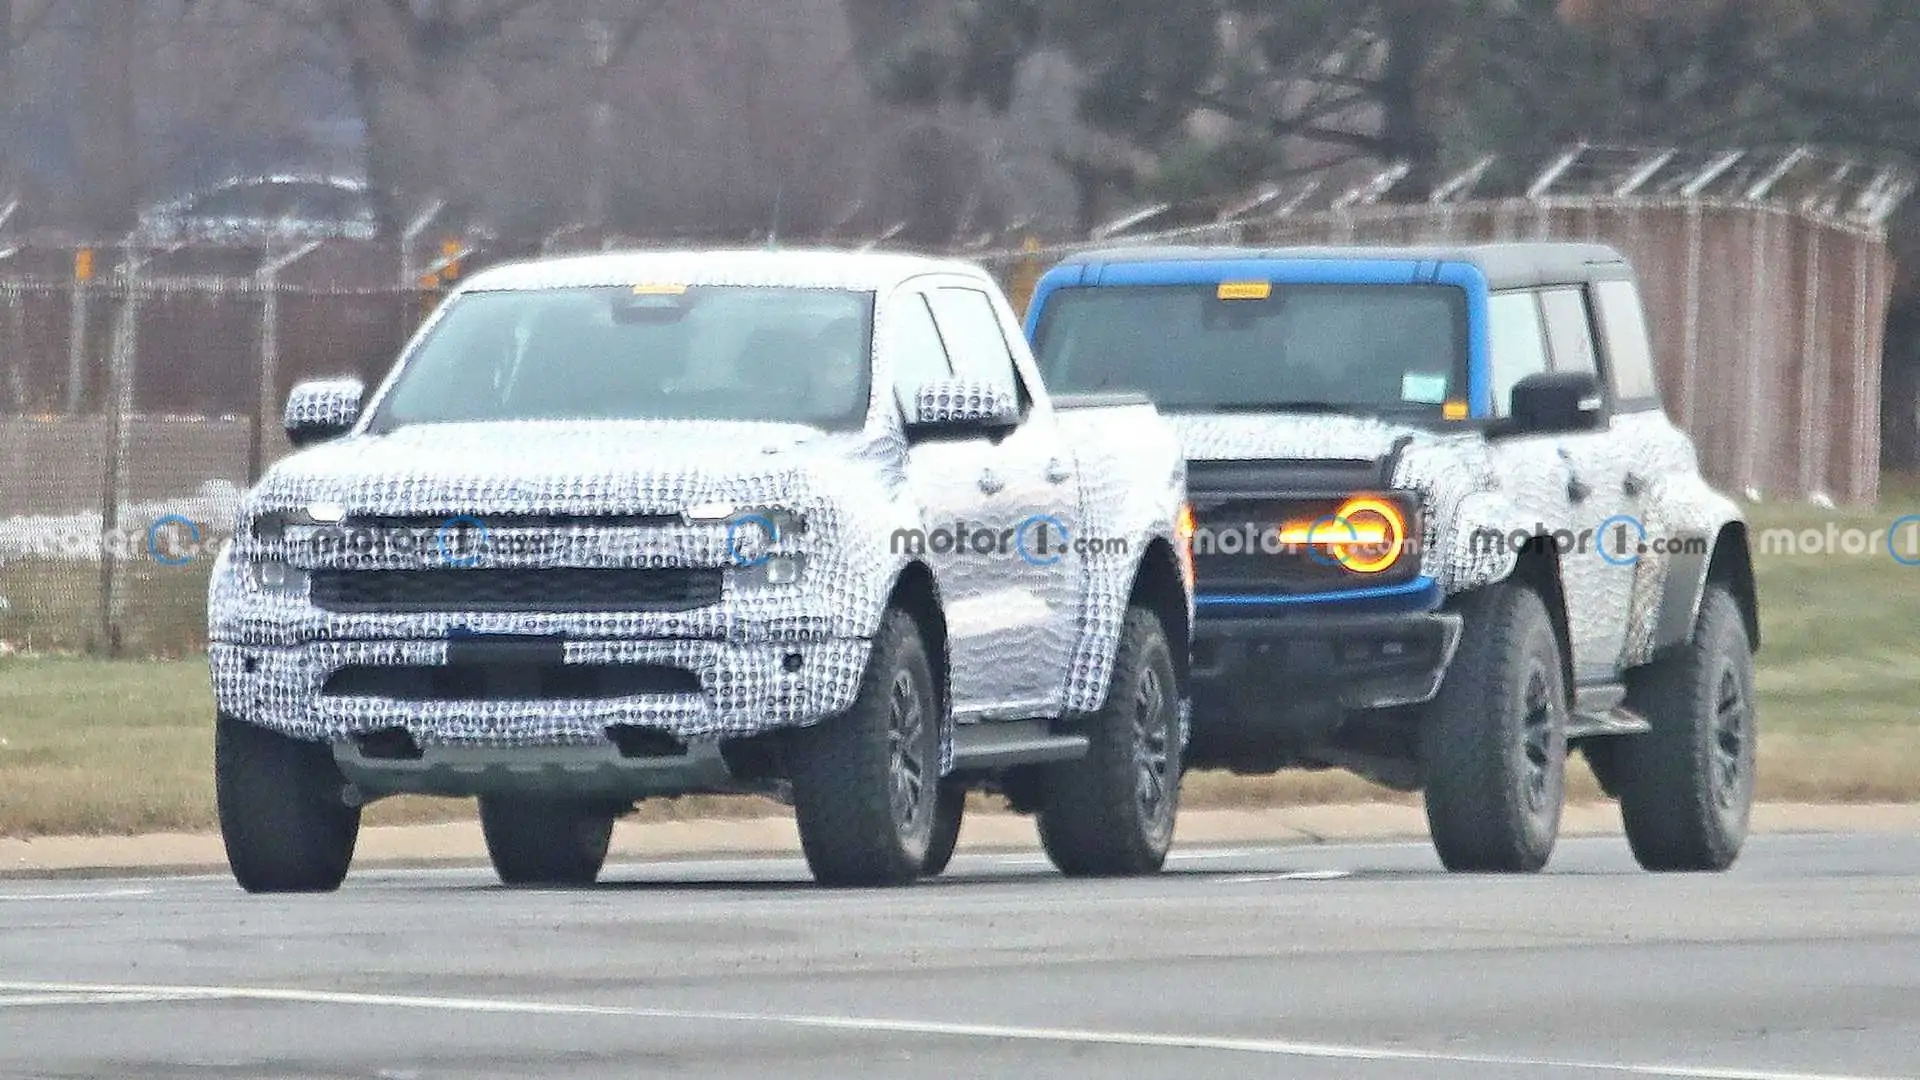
(1365, 348)
(1629, 348)
(706, 353)
(1569, 330)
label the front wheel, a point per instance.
(1493, 746)
(865, 782)
(283, 816)
(1686, 786)
(948, 812)
(545, 841)
(1111, 813)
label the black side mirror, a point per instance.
(322, 409)
(1557, 402)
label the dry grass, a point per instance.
(97, 747)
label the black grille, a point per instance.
(515, 590)
(1234, 549)
(508, 681)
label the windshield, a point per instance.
(641, 353)
(1351, 348)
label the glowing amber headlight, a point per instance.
(1365, 535)
(1187, 528)
(1378, 531)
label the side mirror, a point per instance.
(1557, 402)
(963, 405)
(322, 409)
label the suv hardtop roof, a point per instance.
(1506, 266)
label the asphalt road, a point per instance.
(1338, 961)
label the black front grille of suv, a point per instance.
(565, 589)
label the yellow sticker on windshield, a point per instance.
(659, 290)
(1245, 290)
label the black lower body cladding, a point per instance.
(1267, 685)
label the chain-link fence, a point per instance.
(138, 400)
(140, 391)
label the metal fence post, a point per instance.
(77, 331)
(120, 403)
(266, 403)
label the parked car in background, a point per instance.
(283, 206)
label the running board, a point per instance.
(1001, 744)
(1601, 711)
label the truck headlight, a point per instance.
(1368, 534)
(772, 570)
(279, 579)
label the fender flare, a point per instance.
(1730, 562)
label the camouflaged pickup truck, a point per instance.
(802, 524)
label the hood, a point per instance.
(1290, 437)
(555, 467)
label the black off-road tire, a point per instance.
(1493, 746)
(545, 841)
(1686, 787)
(1112, 812)
(949, 809)
(866, 782)
(283, 818)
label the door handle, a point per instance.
(1057, 472)
(1578, 489)
(991, 483)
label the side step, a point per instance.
(1600, 711)
(984, 747)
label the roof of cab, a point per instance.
(803, 268)
(1506, 266)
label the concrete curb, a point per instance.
(460, 844)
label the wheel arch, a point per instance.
(917, 592)
(1160, 585)
(1730, 564)
(1538, 567)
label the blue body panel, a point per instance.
(1421, 594)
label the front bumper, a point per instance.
(742, 690)
(1289, 680)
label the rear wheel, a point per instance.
(1112, 812)
(545, 841)
(283, 815)
(1493, 747)
(865, 782)
(1686, 787)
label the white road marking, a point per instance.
(1292, 875)
(933, 1028)
(101, 894)
(8, 1000)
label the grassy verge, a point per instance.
(91, 746)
